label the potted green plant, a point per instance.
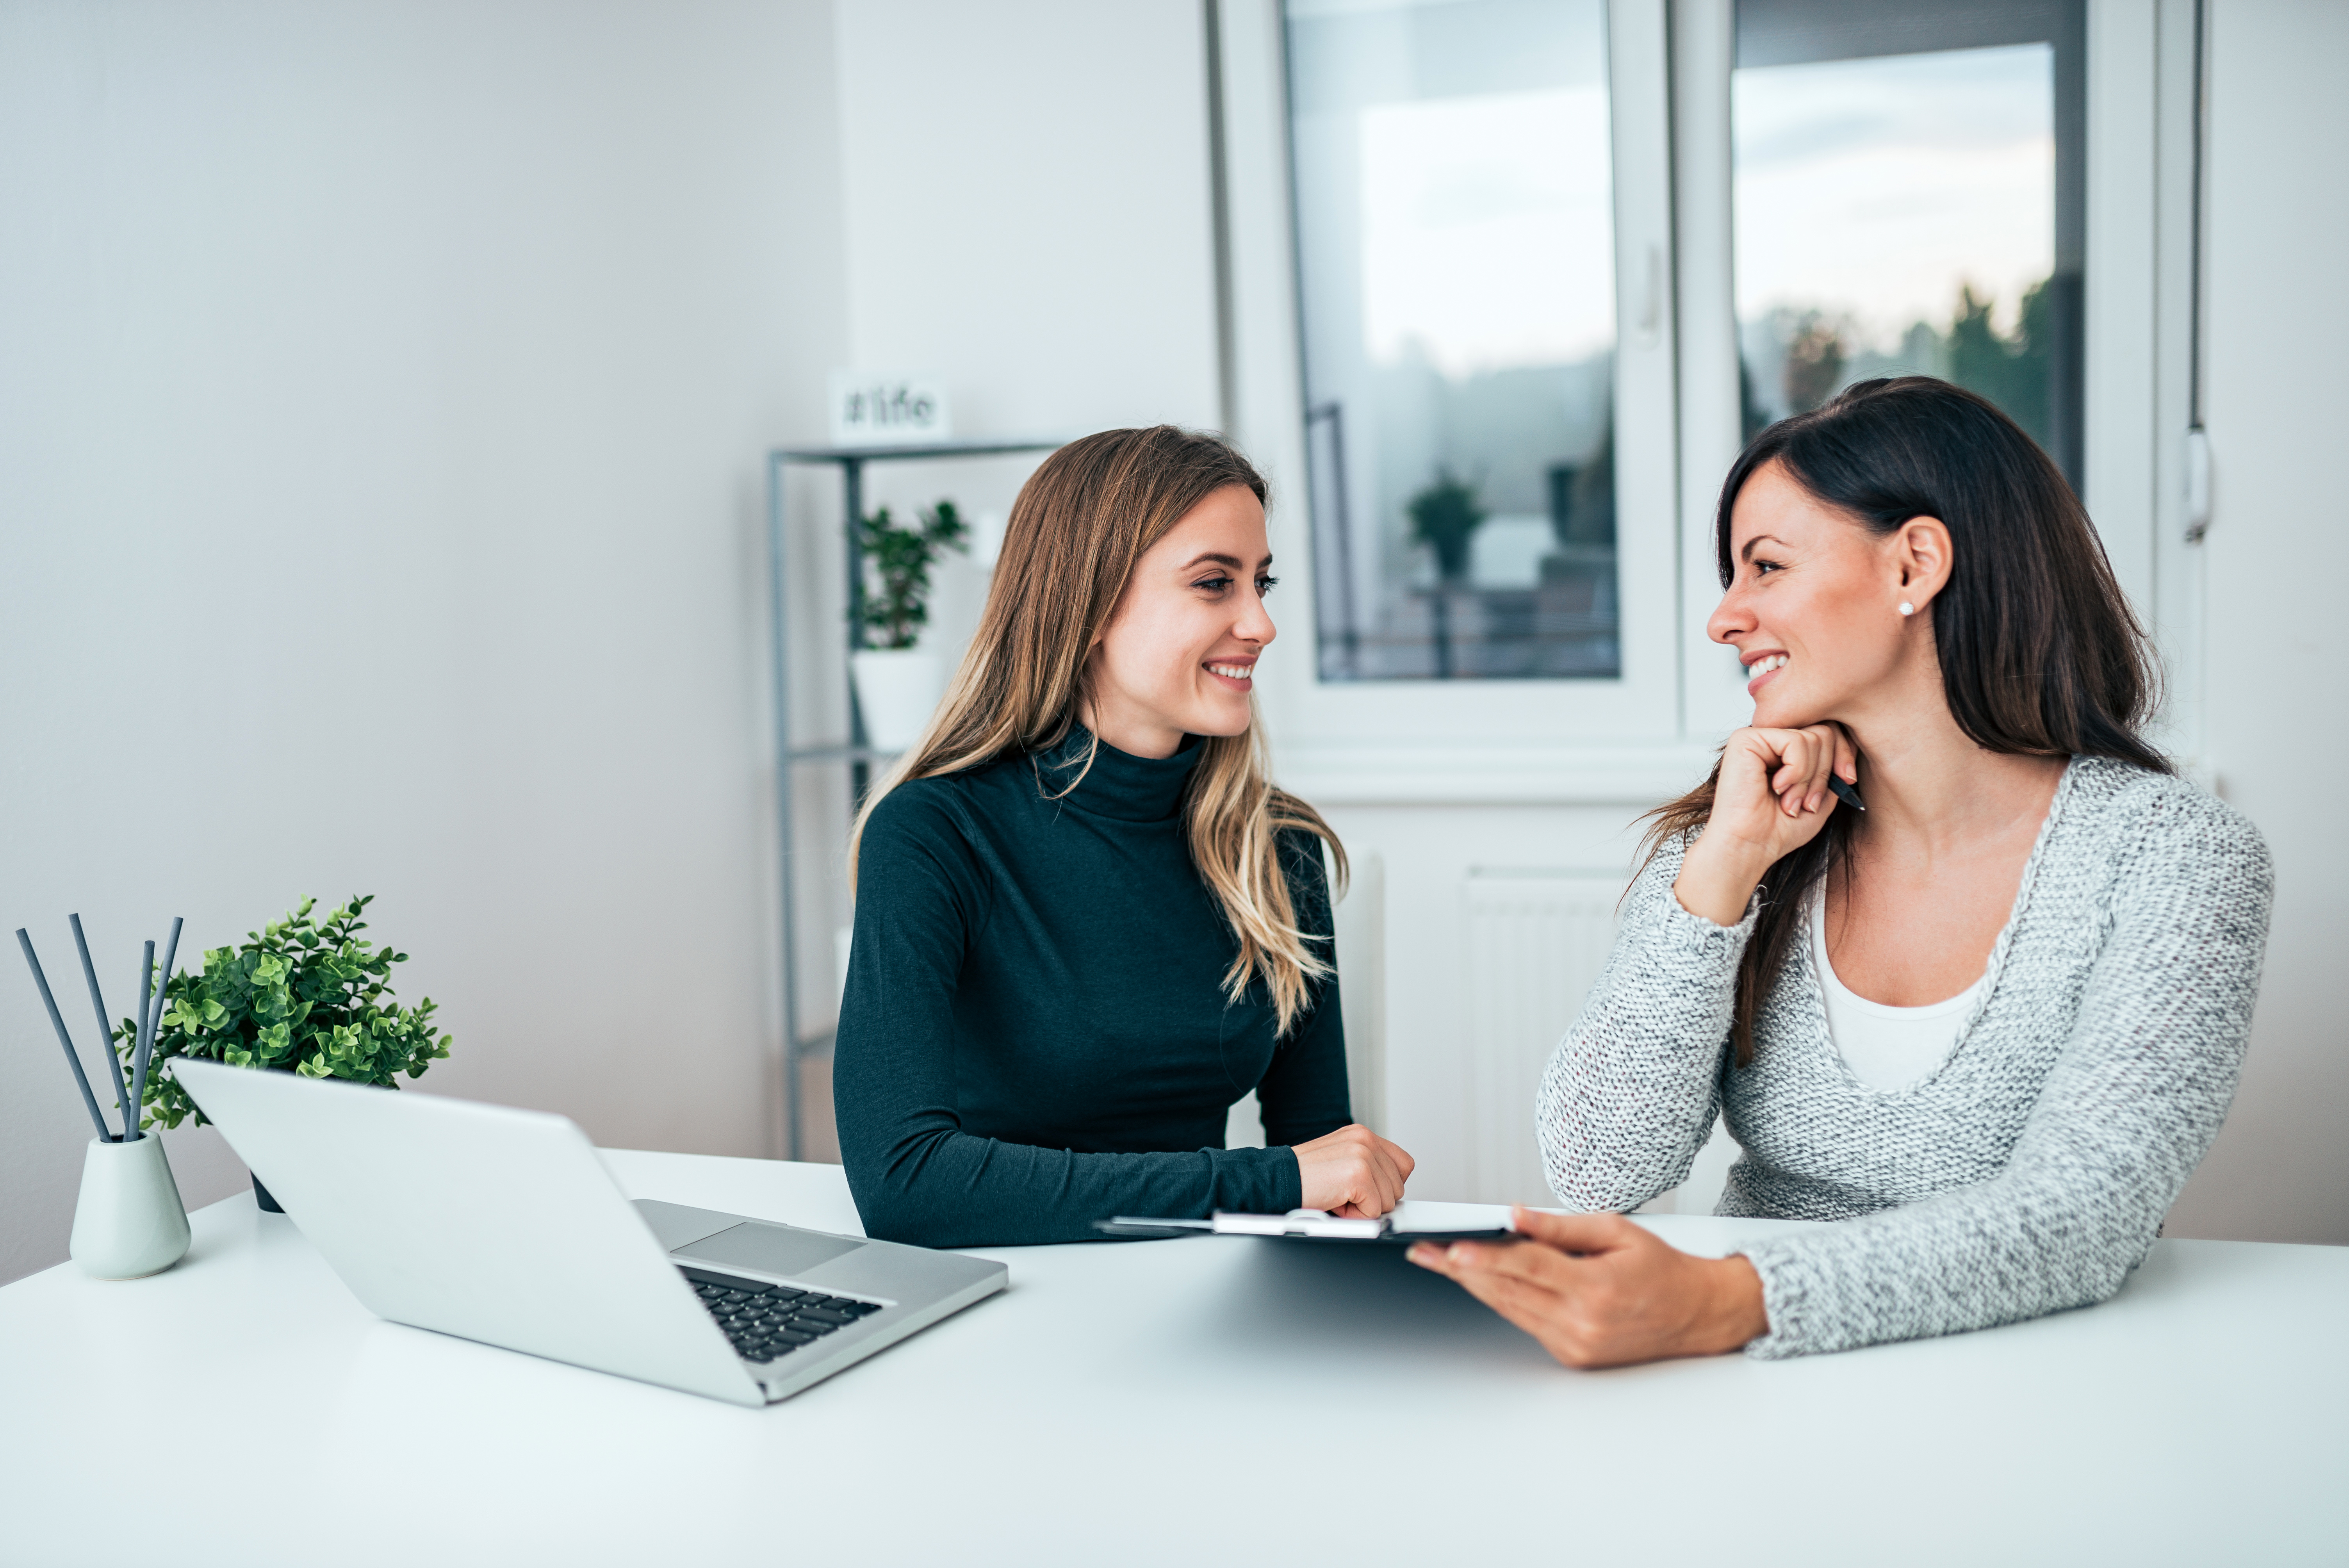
(898, 685)
(299, 996)
(1446, 517)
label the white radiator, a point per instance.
(1536, 943)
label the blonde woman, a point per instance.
(1086, 923)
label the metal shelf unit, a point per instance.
(850, 462)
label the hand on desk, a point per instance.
(1598, 1291)
(1353, 1172)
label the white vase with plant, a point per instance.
(897, 685)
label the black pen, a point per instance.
(1846, 793)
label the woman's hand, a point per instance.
(1598, 1291)
(1353, 1172)
(1771, 798)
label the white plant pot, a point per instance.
(129, 1221)
(898, 689)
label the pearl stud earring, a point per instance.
(1907, 608)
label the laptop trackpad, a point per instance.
(769, 1249)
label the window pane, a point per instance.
(1909, 202)
(1455, 246)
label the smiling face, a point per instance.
(1178, 656)
(1813, 608)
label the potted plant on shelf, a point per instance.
(299, 996)
(898, 687)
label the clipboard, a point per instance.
(1410, 1222)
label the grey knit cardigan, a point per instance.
(2031, 1171)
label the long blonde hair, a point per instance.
(1082, 520)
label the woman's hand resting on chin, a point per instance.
(1598, 1291)
(1353, 1172)
(1770, 800)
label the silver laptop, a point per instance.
(503, 1226)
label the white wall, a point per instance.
(1027, 204)
(382, 388)
(1027, 213)
(2278, 342)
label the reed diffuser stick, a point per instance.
(131, 1133)
(154, 1022)
(58, 1022)
(105, 1029)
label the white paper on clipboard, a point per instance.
(1412, 1220)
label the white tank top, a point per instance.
(1886, 1048)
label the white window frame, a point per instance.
(1495, 738)
(1650, 734)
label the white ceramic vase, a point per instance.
(129, 1221)
(898, 689)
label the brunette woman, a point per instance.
(1086, 923)
(1984, 1030)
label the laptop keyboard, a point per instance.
(767, 1322)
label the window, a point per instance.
(1511, 281)
(1455, 245)
(1908, 199)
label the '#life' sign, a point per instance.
(871, 411)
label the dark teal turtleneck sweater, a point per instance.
(1035, 1034)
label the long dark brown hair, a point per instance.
(2041, 655)
(1081, 523)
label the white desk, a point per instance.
(1347, 1406)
